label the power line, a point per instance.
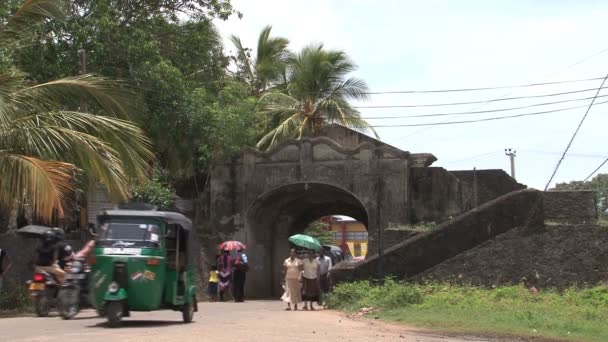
(480, 88)
(579, 155)
(596, 170)
(583, 60)
(480, 102)
(574, 135)
(480, 112)
(482, 120)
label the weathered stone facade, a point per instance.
(573, 207)
(262, 198)
(423, 251)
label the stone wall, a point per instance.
(490, 183)
(556, 257)
(464, 232)
(574, 207)
(436, 195)
(391, 237)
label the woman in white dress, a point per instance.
(292, 268)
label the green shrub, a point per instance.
(361, 294)
(14, 297)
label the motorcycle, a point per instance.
(43, 289)
(74, 294)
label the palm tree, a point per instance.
(317, 94)
(268, 68)
(47, 143)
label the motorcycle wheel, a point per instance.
(42, 306)
(114, 312)
(67, 301)
(188, 310)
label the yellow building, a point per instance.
(349, 234)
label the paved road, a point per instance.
(236, 322)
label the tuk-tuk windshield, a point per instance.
(129, 234)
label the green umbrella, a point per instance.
(305, 241)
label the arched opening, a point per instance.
(285, 211)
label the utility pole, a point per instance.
(511, 154)
(82, 61)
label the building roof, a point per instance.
(169, 216)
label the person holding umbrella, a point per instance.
(226, 265)
(224, 268)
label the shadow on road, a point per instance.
(127, 324)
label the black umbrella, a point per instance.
(33, 231)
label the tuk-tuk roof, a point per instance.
(169, 216)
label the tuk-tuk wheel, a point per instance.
(114, 312)
(188, 310)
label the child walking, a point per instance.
(212, 287)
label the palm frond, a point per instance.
(109, 150)
(109, 95)
(42, 183)
(288, 128)
(28, 17)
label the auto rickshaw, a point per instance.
(142, 261)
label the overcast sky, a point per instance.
(420, 45)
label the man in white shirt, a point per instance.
(324, 268)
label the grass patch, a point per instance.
(577, 315)
(14, 299)
(417, 227)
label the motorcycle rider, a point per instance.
(65, 253)
(52, 252)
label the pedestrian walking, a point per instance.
(212, 287)
(241, 267)
(310, 280)
(324, 268)
(292, 269)
(224, 267)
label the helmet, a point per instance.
(59, 233)
(49, 236)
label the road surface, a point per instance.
(251, 321)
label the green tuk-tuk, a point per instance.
(142, 261)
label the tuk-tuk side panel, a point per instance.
(145, 283)
(171, 296)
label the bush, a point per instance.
(14, 297)
(390, 294)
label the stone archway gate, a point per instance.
(375, 175)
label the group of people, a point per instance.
(229, 272)
(306, 280)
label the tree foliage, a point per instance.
(317, 230)
(269, 66)
(45, 136)
(317, 94)
(599, 184)
(171, 54)
(155, 190)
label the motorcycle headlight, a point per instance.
(113, 287)
(76, 267)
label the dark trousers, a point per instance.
(239, 285)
